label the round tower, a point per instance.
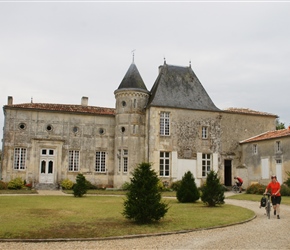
(131, 99)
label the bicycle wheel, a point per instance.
(268, 209)
(235, 188)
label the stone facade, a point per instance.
(267, 154)
(175, 126)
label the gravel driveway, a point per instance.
(260, 233)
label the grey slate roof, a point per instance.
(179, 87)
(132, 79)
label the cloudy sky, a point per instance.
(59, 51)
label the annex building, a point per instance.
(175, 126)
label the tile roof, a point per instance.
(247, 111)
(269, 135)
(63, 108)
(179, 87)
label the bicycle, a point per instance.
(235, 188)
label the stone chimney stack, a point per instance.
(85, 101)
(10, 100)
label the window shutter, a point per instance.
(215, 165)
(199, 165)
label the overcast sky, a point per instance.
(57, 52)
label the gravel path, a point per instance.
(260, 233)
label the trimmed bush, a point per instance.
(143, 198)
(125, 186)
(212, 190)
(285, 190)
(80, 188)
(287, 182)
(67, 184)
(3, 185)
(187, 192)
(256, 189)
(16, 183)
(175, 185)
(90, 185)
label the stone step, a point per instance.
(46, 186)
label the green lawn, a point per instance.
(100, 216)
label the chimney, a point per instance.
(10, 100)
(85, 101)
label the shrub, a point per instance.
(80, 188)
(143, 198)
(212, 190)
(175, 185)
(16, 183)
(67, 184)
(187, 192)
(90, 185)
(256, 189)
(287, 182)
(125, 186)
(285, 190)
(3, 185)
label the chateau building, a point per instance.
(175, 126)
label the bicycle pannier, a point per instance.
(263, 202)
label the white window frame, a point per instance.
(165, 123)
(74, 161)
(206, 164)
(164, 164)
(125, 160)
(204, 132)
(101, 158)
(19, 158)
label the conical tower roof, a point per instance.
(132, 79)
(179, 87)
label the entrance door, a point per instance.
(228, 173)
(46, 171)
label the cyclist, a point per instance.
(275, 187)
(239, 182)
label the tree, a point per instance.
(143, 199)
(187, 192)
(212, 190)
(279, 125)
(80, 188)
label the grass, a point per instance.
(34, 217)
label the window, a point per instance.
(164, 164)
(100, 162)
(119, 159)
(135, 103)
(22, 126)
(123, 160)
(278, 146)
(74, 160)
(48, 152)
(204, 132)
(206, 164)
(164, 123)
(278, 161)
(255, 149)
(19, 158)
